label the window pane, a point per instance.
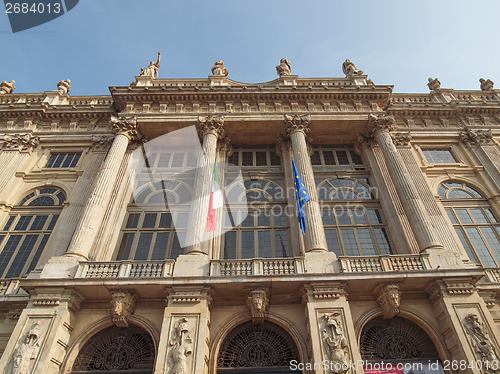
(133, 220)
(22, 256)
(176, 246)
(343, 217)
(480, 247)
(315, 158)
(466, 245)
(39, 251)
(281, 240)
(247, 244)
(492, 240)
(275, 159)
(23, 223)
(67, 160)
(165, 221)
(280, 218)
(366, 242)
(38, 223)
(149, 220)
(333, 241)
(51, 161)
(53, 222)
(359, 216)
(125, 246)
(143, 246)
(248, 221)
(350, 245)
(382, 241)
(76, 157)
(463, 216)
(164, 160)
(247, 159)
(178, 160)
(8, 251)
(263, 219)
(451, 216)
(327, 216)
(8, 223)
(265, 249)
(182, 221)
(329, 158)
(160, 247)
(342, 157)
(478, 215)
(260, 159)
(230, 245)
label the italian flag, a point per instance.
(215, 200)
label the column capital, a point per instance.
(211, 125)
(226, 146)
(475, 137)
(380, 123)
(125, 126)
(19, 142)
(401, 139)
(364, 141)
(294, 123)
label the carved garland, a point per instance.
(20, 142)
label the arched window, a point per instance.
(264, 231)
(148, 231)
(27, 231)
(474, 221)
(395, 339)
(260, 347)
(117, 350)
(352, 217)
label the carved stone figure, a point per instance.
(481, 343)
(7, 87)
(26, 353)
(486, 84)
(219, 69)
(335, 343)
(122, 307)
(284, 68)
(434, 84)
(257, 303)
(388, 296)
(350, 69)
(64, 86)
(182, 347)
(152, 69)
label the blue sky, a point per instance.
(103, 43)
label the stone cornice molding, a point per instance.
(211, 125)
(189, 295)
(401, 139)
(323, 291)
(450, 287)
(125, 126)
(19, 142)
(101, 142)
(476, 137)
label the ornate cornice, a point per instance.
(452, 287)
(475, 137)
(125, 126)
(323, 291)
(19, 142)
(211, 125)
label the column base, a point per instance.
(195, 264)
(442, 258)
(321, 262)
(61, 267)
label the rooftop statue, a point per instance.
(64, 86)
(486, 84)
(152, 69)
(7, 87)
(284, 68)
(434, 84)
(350, 69)
(219, 69)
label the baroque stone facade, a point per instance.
(104, 269)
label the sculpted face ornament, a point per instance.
(122, 307)
(257, 303)
(388, 297)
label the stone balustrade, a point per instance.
(125, 269)
(257, 266)
(385, 263)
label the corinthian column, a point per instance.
(211, 130)
(86, 231)
(412, 204)
(296, 128)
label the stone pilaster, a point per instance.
(86, 231)
(296, 128)
(211, 130)
(185, 337)
(39, 341)
(461, 313)
(329, 323)
(414, 208)
(296, 238)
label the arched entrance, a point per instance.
(265, 348)
(117, 350)
(397, 341)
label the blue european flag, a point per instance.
(302, 197)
